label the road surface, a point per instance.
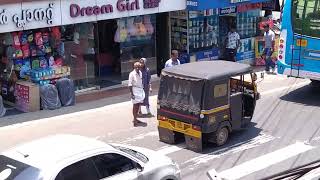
(284, 132)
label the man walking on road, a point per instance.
(269, 42)
(174, 61)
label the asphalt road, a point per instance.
(284, 132)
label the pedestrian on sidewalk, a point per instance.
(232, 44)
(174, 61)
(146, 82)
(269, 43)
(137, 92)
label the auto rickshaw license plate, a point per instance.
(179, 125)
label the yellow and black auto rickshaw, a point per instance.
(205, 101)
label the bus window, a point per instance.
(305, 17)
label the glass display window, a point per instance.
(203, 30)
(136, 36)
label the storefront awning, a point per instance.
(211, 4)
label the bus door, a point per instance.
(305, 60)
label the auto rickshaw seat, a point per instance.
(248, 103)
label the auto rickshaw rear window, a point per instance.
(180, 94)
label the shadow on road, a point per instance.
(236, 139)
(308, 95)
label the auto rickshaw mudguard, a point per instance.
(225, 124)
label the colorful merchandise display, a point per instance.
(195, 34)
(203, 34)
(179, 34)
(38, 55)
(259, 50)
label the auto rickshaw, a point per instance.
(205, 101)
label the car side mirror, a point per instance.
(139, 167)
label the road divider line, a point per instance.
(264, 161)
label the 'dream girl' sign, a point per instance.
(121, 6)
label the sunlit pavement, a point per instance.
(284, 131)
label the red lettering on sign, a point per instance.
(123, 5)
(106, 9)
(96, 10)
(74, 10)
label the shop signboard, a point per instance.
(248, 7)
(27, 15)
(85, 11)
(210, 4)
(227, 10)
(30, 15)
(271, 5)
(246, 53)
(212, 54)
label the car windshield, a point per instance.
(11, 169)
(133, 153)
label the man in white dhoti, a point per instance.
(137, 92)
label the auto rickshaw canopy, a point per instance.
(207, 70)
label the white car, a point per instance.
(71, 157)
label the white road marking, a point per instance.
(252, 143)
(169, 149)
(264, 161)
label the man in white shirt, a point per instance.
(174, 61)
(137, 93)
(269, 42)
(232, 44)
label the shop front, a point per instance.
(94, 43)
(199, 32)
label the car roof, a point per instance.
(53, 149)
(208, 70)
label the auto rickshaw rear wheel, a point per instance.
(221, 136)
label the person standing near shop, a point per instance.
(137, 93)
(146, 82)
(174, 61)
(269, 42)
(232, 44)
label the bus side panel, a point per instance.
(286, 40)
(304, 59)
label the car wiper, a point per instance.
(295, 173)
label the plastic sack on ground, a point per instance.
(49, 97)
(2, 108)
(66, 91)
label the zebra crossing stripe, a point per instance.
(262, 162)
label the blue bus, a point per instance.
(299, 44)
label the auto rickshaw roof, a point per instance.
(208, 70)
